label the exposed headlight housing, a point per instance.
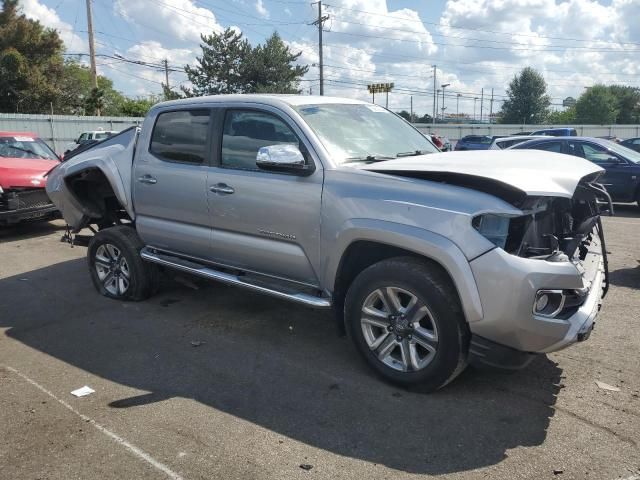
(494, 228)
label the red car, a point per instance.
(24, 160)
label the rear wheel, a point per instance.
(404, 317)
(116, 268)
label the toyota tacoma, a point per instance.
(429, 260)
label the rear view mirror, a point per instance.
(283, 158)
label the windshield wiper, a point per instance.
(26, 150)
(414, 153)
(370, 158)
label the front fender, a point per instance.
(417, 240)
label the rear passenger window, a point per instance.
(181, 136)
(246, 131)
(549, 147)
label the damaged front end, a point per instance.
(555, 229)
(549, 275)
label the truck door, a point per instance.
(170, 182)
(263, 221)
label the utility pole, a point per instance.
(165, 62)
(481, 103)
(435, 98)
(474, 107)
(437, 95)
(491, 108)
(320, 21)
(411, 114)
(458, 107)
(92, 49)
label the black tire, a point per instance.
(140, 278)
(432, 288)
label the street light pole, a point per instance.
(443, 86)
(474, 107)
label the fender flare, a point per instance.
(417, 240)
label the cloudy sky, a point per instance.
(476, 44)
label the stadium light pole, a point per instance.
(443, 86)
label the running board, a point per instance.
(200, 270)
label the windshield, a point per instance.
(24, 146)
(361, 132)
(623, 151)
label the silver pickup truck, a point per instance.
(429, 260)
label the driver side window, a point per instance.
(246, 131)
(596, 153)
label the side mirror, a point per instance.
(285, 158)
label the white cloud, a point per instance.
(261, 9)
(35, 10)
(181, 19)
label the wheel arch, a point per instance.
(94, 194)
(365, 242)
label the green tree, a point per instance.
(406, 115)
(229, 64)
(75, 92)
(222, 66)
(563, 117)
(628, 103)
(597, 105)
(270, 68)
(527, 101)
(30, 61)
(169, 94)
(137, 107)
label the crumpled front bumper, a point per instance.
(508, 285)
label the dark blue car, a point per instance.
(557, 132)
(474, 142)
(622, 165)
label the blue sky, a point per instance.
(477, 45)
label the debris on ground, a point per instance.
(557, 471)
(306, 466)
(83, 391)
(197, 343)
(606, 386)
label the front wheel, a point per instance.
(404, 316)
(116, 268)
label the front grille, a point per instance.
(24, 199)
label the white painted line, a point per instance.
(118, 439)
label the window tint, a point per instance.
(549, 147)
(575, 149)
(181, 136)
(246, 131)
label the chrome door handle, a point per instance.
(221, 188)
(147, 179)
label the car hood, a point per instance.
(532, 172)
(24, 172)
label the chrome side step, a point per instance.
(210, 273)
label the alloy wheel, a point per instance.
(399, 329)
(112, 269)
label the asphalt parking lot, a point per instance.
(270, 387)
